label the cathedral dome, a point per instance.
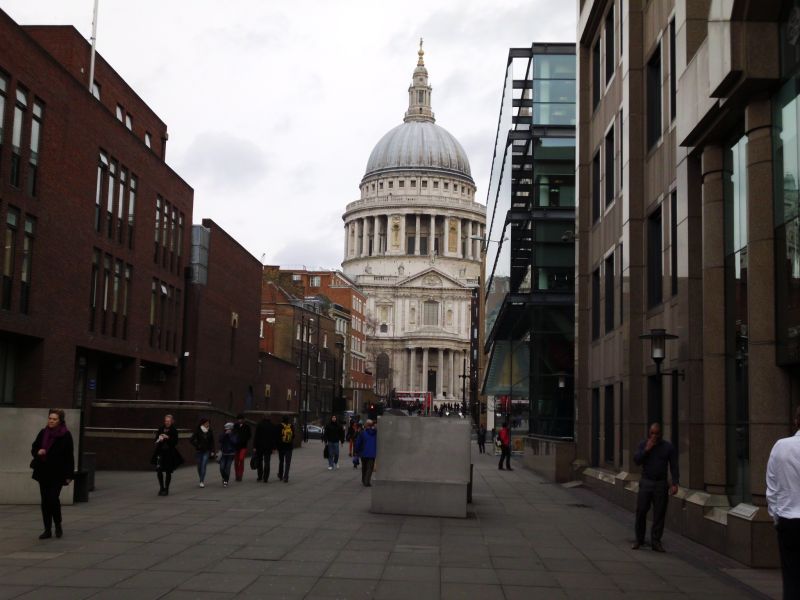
(418, 144)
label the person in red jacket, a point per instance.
(505, 447)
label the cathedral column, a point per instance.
(364, 237)
(452, 354)
(424, 376)
(432, 235)
(459, 243)
(403, 240)
(416, 236)
(412, 368)
(440, 374)
(376, 240)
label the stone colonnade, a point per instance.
(416, 362)
(390, 234)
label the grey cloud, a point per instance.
(222, 160)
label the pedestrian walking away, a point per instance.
(367, 450)
(353, 430)
(482, 439)
(228, 447)
(505, 447)
(333, 436)
(356, 432)
(166, 457)
(242, 431)
(656, 456)
(203, 441)
(285, 447)
(264, 443)
(783, 504)
(53, 467)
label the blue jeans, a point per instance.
(333, 453)
(202, 463)
(225, 462)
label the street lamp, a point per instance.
(658, 341)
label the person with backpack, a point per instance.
(285, 447)
(228, 445)
(333, 436)
(203, 441)
(243, 433)
(367, 449)
(263, 445)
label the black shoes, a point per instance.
(59, 531)
(636, 545)
(163, 492)
(46, 535)
(657, 547)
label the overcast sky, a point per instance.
(273, 107)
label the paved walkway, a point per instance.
(314, 538)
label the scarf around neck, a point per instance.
(52, 434)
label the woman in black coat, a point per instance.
(166, 457)
(53, 466)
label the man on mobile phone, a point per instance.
(654, 455)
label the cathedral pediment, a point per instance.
(431, 278)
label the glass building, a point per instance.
(529, 247)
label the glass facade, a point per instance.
(530, 249)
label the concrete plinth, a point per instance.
(423, 467)
(18, 429)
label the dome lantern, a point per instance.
(419, 92)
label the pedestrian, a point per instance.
(228, 448)
(242, 431)
(166, 457)
(53, 466)
(203, 441)
(356, 432)
(367, 450)
(656, 456)
(505, 447)
(783, 504)
(333, 437)
(285, 447)
(352, 432)
(482, 439)
(494, 435)
(263, 445)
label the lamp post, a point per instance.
(658, 341)
(464, 378)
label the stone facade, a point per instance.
(413, 245)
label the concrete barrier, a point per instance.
(422, 466)
(18, 428)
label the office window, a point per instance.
(596, 304)
(147, 139)
(123, 180)
(610, 169)
(621, 290)
(106, 291)
(180, 238)
(430, 313)
(20, 107)
(153, 301)
(315, 281)
(609, 298)
(131, 209)
(96, 90)
(654, 98)
(609, 33)
(102, 168)
(608, 424)
(33, 161)
(9, 256)
(655, 270)
(621, 147)
(126, 294)
(596, 187)
(112, 176)
(158, 227)
(596, 74)
(119, 112)
(672, 75)
(595, 436)
(93, 288)
(27, 256)
(129, 122)
(118, 274)
(673, 240)
(3, 90)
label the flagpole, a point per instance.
(94, 43)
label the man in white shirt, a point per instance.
(783, 503)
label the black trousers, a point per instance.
(263, 458)
(284, 462)
(481, 447)
(164, 479)
(655, 493)
(505, 455)
(51, 505)
(789, 547)
(367, 464)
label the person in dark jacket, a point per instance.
(286, 435)
(356, 432)
(482, 439)
(505, 447)
(203, 441)
(654, 455)
(367, 450)
(228, 447)
(333, 436)
(166, 457)
(53, 466)
(263, 444)
(243, 433)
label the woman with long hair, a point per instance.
(53, 466)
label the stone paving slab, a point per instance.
(315, 538)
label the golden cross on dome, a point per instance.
(421, 53)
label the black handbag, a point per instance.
(325, 452)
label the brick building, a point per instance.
(340, 290)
